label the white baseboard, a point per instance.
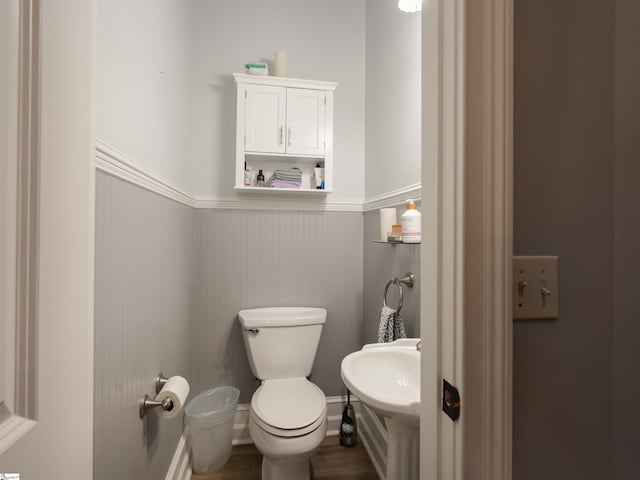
(180, 466)
(370, 431)
(335, 405)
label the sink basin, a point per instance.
(386, 376)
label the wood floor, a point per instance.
(332, 462)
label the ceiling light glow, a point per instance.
(410, 6)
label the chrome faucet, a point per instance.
(419, 345)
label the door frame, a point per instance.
(62, 294)
(20, 236)
(467, 242)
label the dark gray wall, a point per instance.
(249, 259)
(144, 311)
(563, 204)
(626, 356)
(382, 262)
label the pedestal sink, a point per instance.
(386, 376)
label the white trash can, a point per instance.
(209, 421)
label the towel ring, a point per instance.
(393, 281)
(407, 280)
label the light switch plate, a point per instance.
(535, 287)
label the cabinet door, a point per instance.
(265, 110)
(306, 112)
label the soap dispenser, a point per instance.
(411, 223)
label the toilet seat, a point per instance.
(288, 407)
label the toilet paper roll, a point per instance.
(177, 389)
(387, 218)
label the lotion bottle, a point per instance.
(411, 222)
(247, 176)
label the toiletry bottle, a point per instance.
(247, 176)
(411, 222)
(260, 179)
(318, 177)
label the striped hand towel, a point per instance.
(391, 326)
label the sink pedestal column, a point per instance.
(403, 450)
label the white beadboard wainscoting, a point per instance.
(144, 312)
(371, 432)
(250, 259)
(169, 282)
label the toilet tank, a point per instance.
(281, 342)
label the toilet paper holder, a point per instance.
(160, 381)
(147, 404)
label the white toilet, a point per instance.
(288, 416)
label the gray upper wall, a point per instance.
(143, 84)
(166, 95)
(393, 98)
(563, 204)
(324, 41)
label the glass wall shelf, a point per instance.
(396, 243)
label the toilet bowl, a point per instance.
(288, 415)
(287, 422)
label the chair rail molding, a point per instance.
(394, 197)
(116, 163)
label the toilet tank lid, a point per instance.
(282, 316)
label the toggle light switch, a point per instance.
(535, 287)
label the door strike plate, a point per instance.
(450, 400)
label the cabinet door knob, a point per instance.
(289, 135)
(281, 135)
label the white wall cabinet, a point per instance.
(284, 122)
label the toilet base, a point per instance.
(286, 458)
(285, 469)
